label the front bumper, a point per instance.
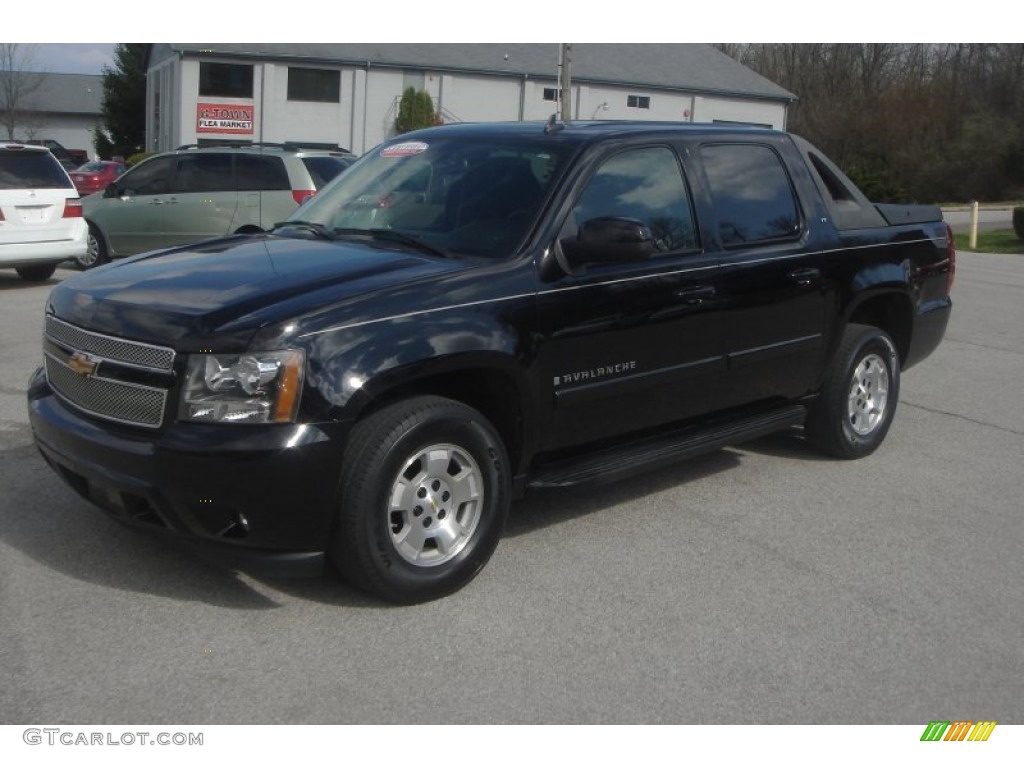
(256, 497)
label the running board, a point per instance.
(653, 452)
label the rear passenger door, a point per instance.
(203, 199)
(772, 289)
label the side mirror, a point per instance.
(110, 190)
(609, 239)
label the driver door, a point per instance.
(628, 343)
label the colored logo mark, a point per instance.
(959, 730)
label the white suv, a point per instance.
(41, 221)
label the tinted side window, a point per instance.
(260, 172)
(643, 184)
(323, 169)
(751, 192)
(150, 178)
(203, 173)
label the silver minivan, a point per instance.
(198, 193)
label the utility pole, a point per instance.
(565, 80)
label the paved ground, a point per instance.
(755, 585)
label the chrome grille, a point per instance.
(120, 401)
(130, 352)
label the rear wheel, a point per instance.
(857, 402)
(424, 498)
(95, 251)
(36, 274)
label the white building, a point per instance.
(65, 108)
(348, 94)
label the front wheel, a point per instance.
(857, 402)
(95, 251)
(424, 495)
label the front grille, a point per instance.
(120, 395)
(133, 353)
(119, 401)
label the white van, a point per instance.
(41, 221)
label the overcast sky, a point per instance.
(69, 58)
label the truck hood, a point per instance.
(230, 287)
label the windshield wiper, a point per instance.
(399, 236)
(319, 229)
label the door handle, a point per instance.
(696, 294)
(805, 276)
(156, 201)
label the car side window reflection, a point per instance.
(203, 173)
(149, 178)
(753, 198)
(646, 185)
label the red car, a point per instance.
(94, 177)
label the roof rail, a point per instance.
(228, 143)
(288, 146)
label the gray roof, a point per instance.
(692, 67)
(67, 94)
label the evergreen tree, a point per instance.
(415, 111)
(124, 102)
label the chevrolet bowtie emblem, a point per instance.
(82, 364)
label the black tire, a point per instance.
(858, 400)
(36, 274)
(96, 250)
(408, 531)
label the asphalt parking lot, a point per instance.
(759, 584)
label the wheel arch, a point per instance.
(890, 310)
(495, 391)
(98, 231)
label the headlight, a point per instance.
(256, 388)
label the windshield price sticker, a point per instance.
(405, 149)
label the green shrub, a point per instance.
(137, 158)
(415, 111)
(1018, 221)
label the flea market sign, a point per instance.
(224, 118)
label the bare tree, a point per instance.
(17, 84)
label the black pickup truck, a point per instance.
(472, 311)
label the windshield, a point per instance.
(454, 195)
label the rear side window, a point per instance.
(31, 170)
(751, 192)
(260, 172)
(323, 169)
(203, 173)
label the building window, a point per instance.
(640, 102)
(231, 80)
(314, 84)
(550, 94)
(413, 79)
